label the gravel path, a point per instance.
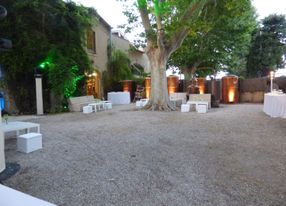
(233, 155)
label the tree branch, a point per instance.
(160, 28)
(179, 36)
(142, 7)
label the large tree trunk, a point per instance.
(159, 99)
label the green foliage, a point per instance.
(219, 40)
(171, 15)
(119, 68)
(62, 74)
(267, 47)
(48, 34)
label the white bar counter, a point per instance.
(275, 105)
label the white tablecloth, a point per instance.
(275, 105)
(119, 97)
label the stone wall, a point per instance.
(252, 90)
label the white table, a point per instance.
(119, 97)
(18, 126)
(275, 105)
(11, 197)
(97, 106)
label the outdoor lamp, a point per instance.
(271, 80)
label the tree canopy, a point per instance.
(219, 40)
(166, 24)
(48, 33)
(268, 46)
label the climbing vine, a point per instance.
(49, 35)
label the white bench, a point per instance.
(11, 197)
(178, 96)
(76, 104)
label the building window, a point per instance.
(91, 41)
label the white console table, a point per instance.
(275, 105)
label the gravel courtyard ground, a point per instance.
(233, 155)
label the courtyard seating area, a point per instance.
(233, 155)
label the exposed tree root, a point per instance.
(168, 107)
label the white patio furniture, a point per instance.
(275, 105)
(11, 197)
(202, 108)
(29, 142)
(144, 102)
(76, 104)
(141, 103)
(178, 96)
(107, 105)
(201, 98)
(138, 104)
(119, 97)
(87, 109)
(185, 107)
(97, 106)
(196, 103)
(20, 126)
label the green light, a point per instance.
(42, 65)
(45, 64)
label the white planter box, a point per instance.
(29, 142)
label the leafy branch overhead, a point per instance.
(219, 40)
(166, 23)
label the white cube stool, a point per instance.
(87, 109)
(185, 107)
(29, 142)
(144, 102)
(108, 105)
(138, 104)
(202, 108)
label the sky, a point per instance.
(111, 11)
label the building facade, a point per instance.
(136, 56)
(97, 42)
